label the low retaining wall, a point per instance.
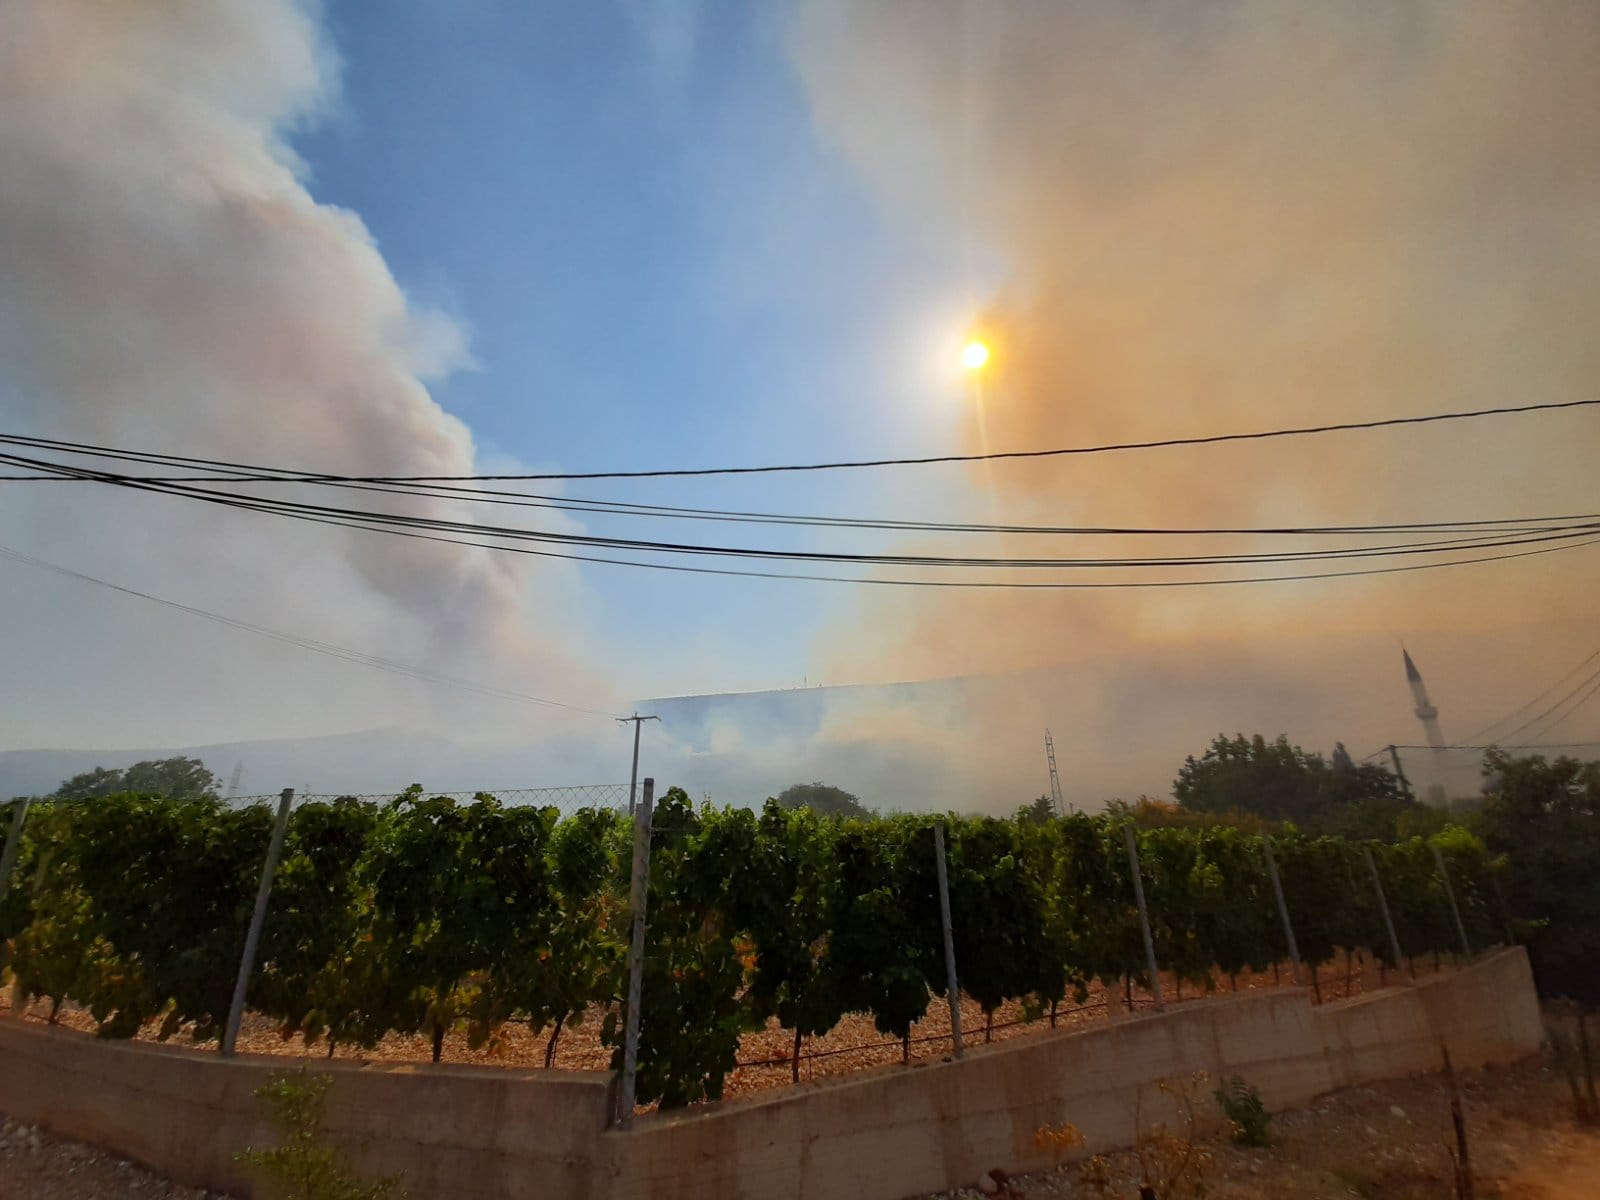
(465, 1132)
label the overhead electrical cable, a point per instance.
(1517, 712)
(1537, 721)
(319, 647)
(1569, 532)
(410, 527)
(992, 456)
(627, 508)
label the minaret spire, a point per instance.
(1426, 712)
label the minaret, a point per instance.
(1426, 712)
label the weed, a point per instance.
(1171, 1166)
(304, 1167)
(1249, 1118)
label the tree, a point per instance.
(1281, 782)
(175, 778)
(1545, 816)
(1038, 812)
(823, 799)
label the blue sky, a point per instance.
(659, 264)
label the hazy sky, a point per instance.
(438, 237)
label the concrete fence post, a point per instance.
(258, 916)
(1383, 907)
(1283, 910)
(952, 990)
(638, 897)
(1450, 894)
(8, 857)
(1144, 916)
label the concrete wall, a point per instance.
(477, 1132)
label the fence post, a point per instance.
(1450, 894)
(252, 939)
(1283, 910)
(1499, 897)
(1144, 917)
(638, 896)
(8, 857)
(1383, 907)
(951, 988)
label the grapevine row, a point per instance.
(425, 914)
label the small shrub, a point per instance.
(1241, 1104)
(1172, 1165)
(304, 1167)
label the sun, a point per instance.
(974, 355)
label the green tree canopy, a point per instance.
(1281, 782)
(823, 799)
(1544, 815)
(175, 778)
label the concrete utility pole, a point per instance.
(633, 780)
(1144, 917)
(1383, 907)
(252, 939)
(1283, 910)
(1450, 895)
(638, 897)
(952, 989)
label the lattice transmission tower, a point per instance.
(1055, 777)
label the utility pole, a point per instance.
(1283, 909)
(633, 780)
(638, 897)
(952, 988)
(1400, 773)
(1144, 916)
(258, 917)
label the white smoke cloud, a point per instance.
(168, 281)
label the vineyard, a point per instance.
(425, 915)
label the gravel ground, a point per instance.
(1390, 1141)
(37, 1166)
(853, 1045)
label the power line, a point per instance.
(1563, 533)
(1517, 712)
(247, 505)
(1496, 746)
(994, 456)
(1592, 678)
(319, 647)
(266, 474)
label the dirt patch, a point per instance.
(1389, 1141)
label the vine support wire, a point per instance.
(1383, 907)
(8, 857)
(1144, 917)
(637, 897)
(952, 989)
(258, 916)
(1450, 895)
(1283, 910)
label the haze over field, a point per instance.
(446, 242)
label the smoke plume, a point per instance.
(1231, 216)
(167, 281)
